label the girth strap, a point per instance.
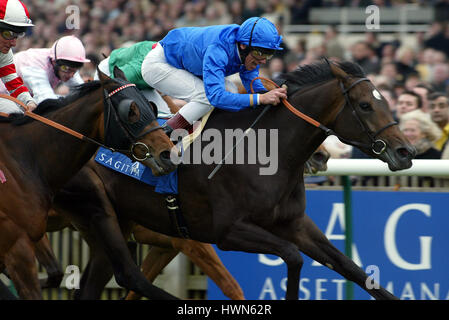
(176, 216)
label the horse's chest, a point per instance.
(292, 203)
(290, 208)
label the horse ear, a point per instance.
(102, 76)
(337, 71)
(118, 73)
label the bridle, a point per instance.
(131, 136)
(378, 146)
(107, 104)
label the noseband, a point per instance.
(378, 146)
(129, 135)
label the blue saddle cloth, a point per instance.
(166, 184)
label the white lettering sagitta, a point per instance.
(135, 169)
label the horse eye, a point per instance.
(365, 106)
(133, 113)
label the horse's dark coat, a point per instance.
(37, 160)
(239, 209)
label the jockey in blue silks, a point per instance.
(191, 64)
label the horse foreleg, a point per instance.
(47, 259)
(243, 236)
(95, 276)
(205, 257)
(311, 241)
(20, 261)
(156, 260)
(127, 274)
(99, 270)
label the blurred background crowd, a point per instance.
(410, 69)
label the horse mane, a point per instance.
(50, 105)
(317, 72)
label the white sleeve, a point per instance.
(36, 80)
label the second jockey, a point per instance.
(42, 70)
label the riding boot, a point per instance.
(176, 122)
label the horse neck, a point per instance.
(300, 139)
(55, 155)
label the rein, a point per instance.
(295, 111)
(378, 146)
(47, 121)
(67, 130)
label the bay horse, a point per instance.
(37, 160)
(164, 249)
(239, 209)
(202, 255)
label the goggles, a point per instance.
(10, 35)
(66, 69)
(261, 54)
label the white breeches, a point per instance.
(177, 83)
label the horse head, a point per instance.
(364, 119)
(130, 119)
(317, 161)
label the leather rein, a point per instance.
(378, 146)
(78, 135)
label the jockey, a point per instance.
(129, 60)
(42, 70)
(14, 22)
(191, 64)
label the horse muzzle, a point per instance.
(399, 158)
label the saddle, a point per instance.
(195, 130)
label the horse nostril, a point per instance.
(405, 153)
(165, 155)
(318, 156)
(167, 159)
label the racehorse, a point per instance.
(202, 255)
(240, 209)
(164, 249)
(37, 160)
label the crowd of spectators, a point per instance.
(106, 24)
(409, 77)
